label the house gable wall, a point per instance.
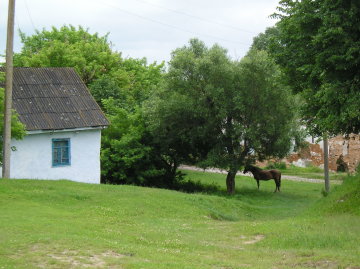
(32, 156)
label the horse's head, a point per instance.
(247, 169)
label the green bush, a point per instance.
(276, 165)
(190, 186)
(357, 169)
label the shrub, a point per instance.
(196, 186)
(276, 165)
(357, 169)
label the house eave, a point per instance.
(65, 130)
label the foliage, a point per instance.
(129, 85)
(341, 165)
(90, 54)
(129, 155)
(265, 40)
(125, 158)
(276, 165)
(318, 48)
(221, 113)
(17, 128)
(121, 145)
(357, 170)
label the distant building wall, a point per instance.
(343, 152)
(31, 157)
(346, 150)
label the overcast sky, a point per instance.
(149, 28)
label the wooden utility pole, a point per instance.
(8, 91)
(326, 164)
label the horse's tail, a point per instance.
(280, 179)
(277, 177)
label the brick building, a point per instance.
(344, 154)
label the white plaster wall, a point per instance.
(315, 140)
(32, 158)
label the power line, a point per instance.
(196, 17)
(28, 12)
(171, 26)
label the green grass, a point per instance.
(311, 172)
(62, 224)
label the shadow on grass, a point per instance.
(241, 193)
(247, 203)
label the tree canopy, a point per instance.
(224, 113)
(318, 48)
(90, 54)
(266, 40)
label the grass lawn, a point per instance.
(62, 224)
(311, 172)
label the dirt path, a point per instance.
(293, 178)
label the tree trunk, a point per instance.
(230, 181)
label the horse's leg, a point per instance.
(278, 183)
(257, 181)
(275, 185)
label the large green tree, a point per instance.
(130, 84)
(266, 40)
(318, 48)
(90, 54)
(222, 113)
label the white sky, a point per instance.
(148, 28)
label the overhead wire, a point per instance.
(196, 17)
(29, 14)
(17, 21)
(158, 21)
(169, 25)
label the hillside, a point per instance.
(343, 199)
(61, 224)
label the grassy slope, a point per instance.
(343, 199)
(311, 172)
(64, 224)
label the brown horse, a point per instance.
(260, 174)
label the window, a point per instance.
(61, 152)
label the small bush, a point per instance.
(357, 169)
(276, 165)
(191, 187)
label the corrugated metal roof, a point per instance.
(53, 99)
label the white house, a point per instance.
(63, 124)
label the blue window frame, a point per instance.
(61, 151)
